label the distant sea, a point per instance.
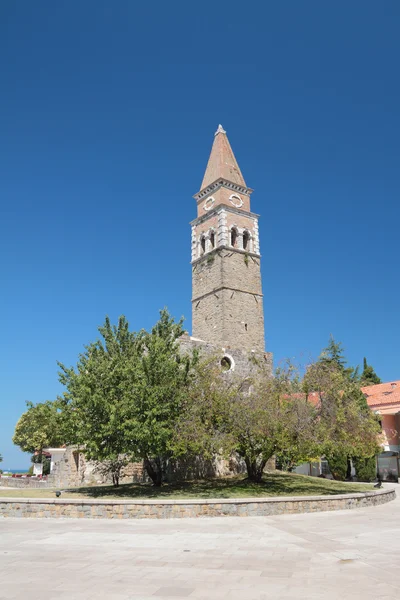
(16, 470)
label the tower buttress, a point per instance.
(227, 300)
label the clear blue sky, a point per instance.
(107, 115)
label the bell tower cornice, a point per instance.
(219, 183)
(223, 208)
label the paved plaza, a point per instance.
(334, 555)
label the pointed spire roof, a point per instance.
(222, 162)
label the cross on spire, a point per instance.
(220, 130)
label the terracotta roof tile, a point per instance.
(382, 393)
(376, 395)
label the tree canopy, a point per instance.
(138, 396)
(296, 419)
(349, 429)
(125, 394)
(255, 417)
(346, 423)
(39, 427)
(368, 375)
(333, 356)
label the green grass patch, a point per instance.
(273, 485)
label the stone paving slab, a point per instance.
(322, 556)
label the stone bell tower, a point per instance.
(227, 301)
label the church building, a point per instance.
(228, 316)
(227, 299)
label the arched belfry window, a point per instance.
(246, 240)
(202, 244)
(234, 237)
(212, 240)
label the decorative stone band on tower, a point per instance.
(227, 300)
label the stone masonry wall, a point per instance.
(23, 482)
(74, 470)
(166, 509)
(245, 363)
(227, 302)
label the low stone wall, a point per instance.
(23, 482)
(166, 509)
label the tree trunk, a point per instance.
(348, 473)
(254, 470)
(154, 471)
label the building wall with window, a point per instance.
(384, 400)
(227, 302)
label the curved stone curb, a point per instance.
(165, 509)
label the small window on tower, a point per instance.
(246, 240)
(233, 237)
(203, 244)
(212, 239)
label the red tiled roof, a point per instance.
(377, 395)
(382, 393)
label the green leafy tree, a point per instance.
(368, 376)
(255, 418)
(338, 465)
(346, 426)
(39, 427)
(162, 379)
(300, 441)
(365, 468)
(124, 397)
(201, 429)
(97, 394)
(333, 356)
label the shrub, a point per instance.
(338, 466)
(365, 468)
